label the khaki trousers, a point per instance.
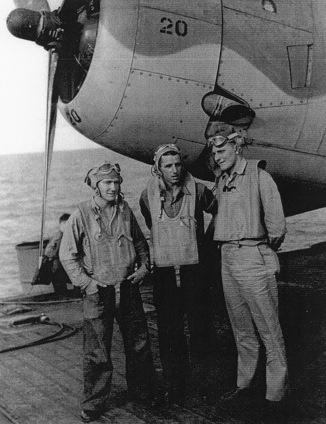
(251, 295)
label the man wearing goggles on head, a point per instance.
(250, 227)
(100, 249)
(173, 206)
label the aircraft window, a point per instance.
(300, 59)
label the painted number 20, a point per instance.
(180, 27)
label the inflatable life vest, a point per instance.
(113, 256)
(174, 239)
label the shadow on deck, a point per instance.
(42, 384)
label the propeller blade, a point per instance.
(36, 5)
(51, 117)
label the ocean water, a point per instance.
(21, 190)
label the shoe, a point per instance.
(238, 394)
(89, 416)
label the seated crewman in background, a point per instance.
(51, 263)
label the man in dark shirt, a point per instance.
(173, 206)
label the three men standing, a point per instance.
(103, 243)
(173, 206)
(250, 226)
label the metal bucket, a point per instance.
(27, 255)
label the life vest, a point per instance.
(240, 212)
(174, 239)
(113, 256)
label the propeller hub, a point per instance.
(69, 31)
(45, 28)
(23, 23)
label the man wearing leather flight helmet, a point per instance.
(105, 253)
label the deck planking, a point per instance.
(43, 384)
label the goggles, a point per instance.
(219, 140)
(102, 172)
(107, 168)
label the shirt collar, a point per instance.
(183, 190)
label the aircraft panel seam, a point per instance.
(204, 84)
(185, 16)
(279, 147)
(268, 20)
(200, 143)
(322, 141)
(282, 104)
(128, 78)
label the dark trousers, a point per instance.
(99, 313)
(172, 303)
(59, 281)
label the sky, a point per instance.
(23, 83)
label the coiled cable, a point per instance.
(52, 338)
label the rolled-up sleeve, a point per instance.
(71, 252)
(273, 209)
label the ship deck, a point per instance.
(42, 383)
